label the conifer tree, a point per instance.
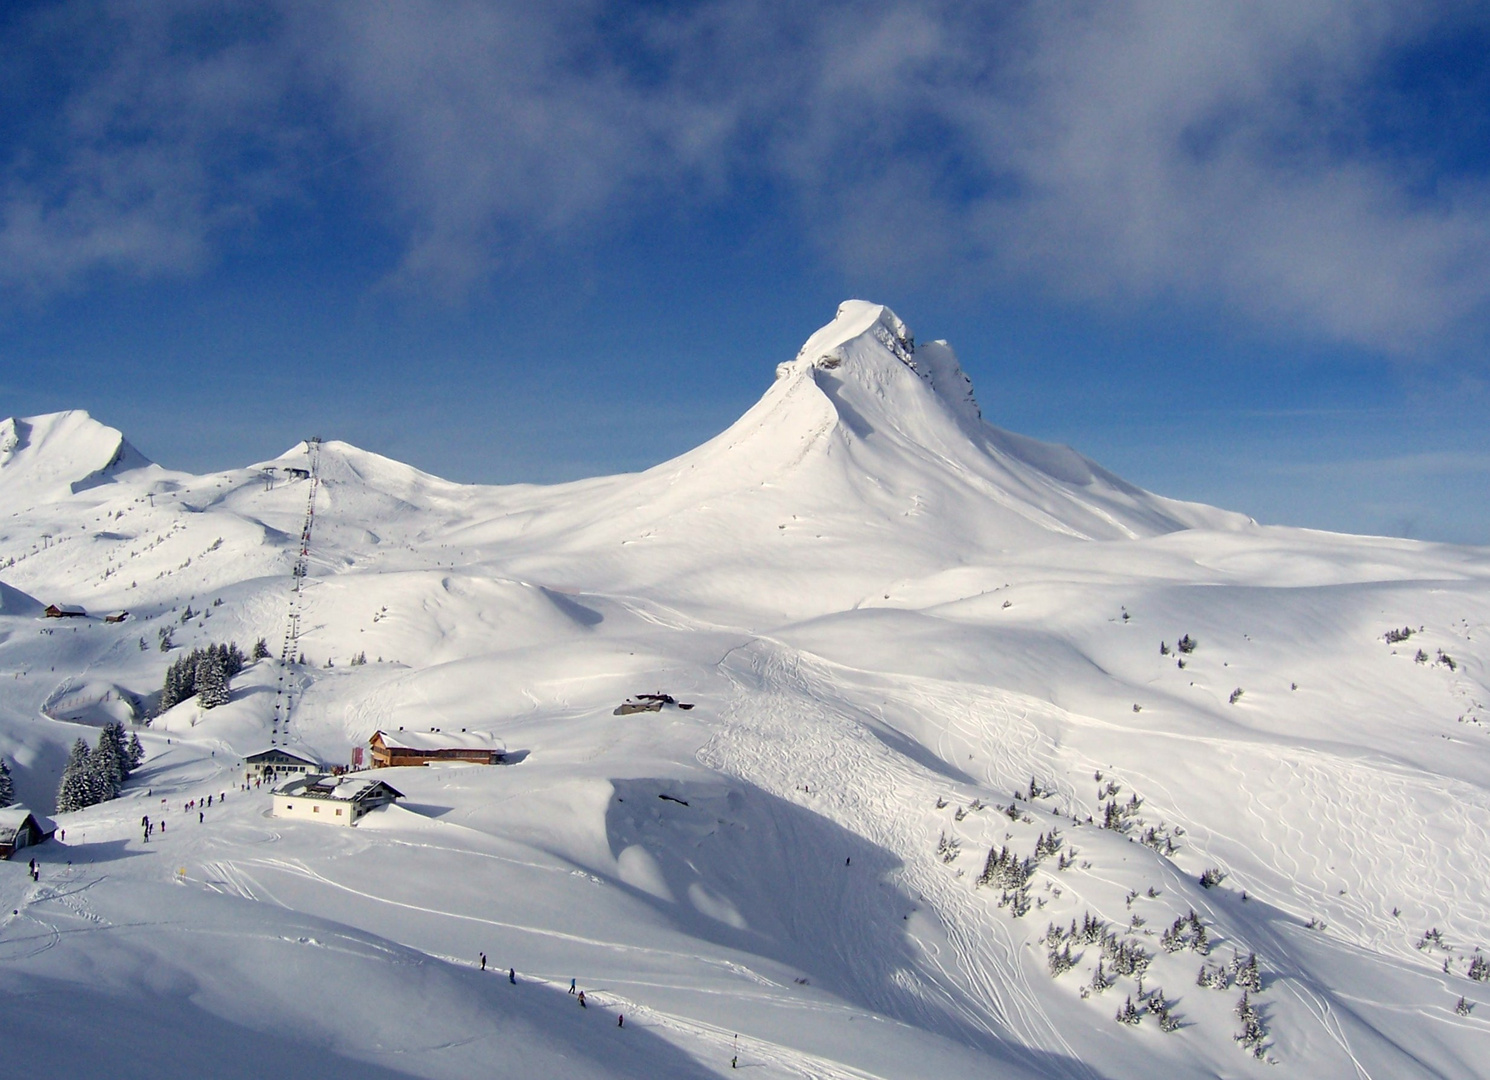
(75, 791)
(105, 767)
(7, 786)
(134, 752)
(211, 681)
(1247, 975)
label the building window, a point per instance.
(315, 809)
(338, 811)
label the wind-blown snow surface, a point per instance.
(891, 617)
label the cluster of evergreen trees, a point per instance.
(1162, 1010)
(1005, 870)
(1187, 932)
(1253, 1037)
(204, 672)
(97, 775)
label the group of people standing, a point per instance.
(573, 989)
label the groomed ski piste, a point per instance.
(910, 639)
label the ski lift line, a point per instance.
(291, 642)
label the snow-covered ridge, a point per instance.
(47, 457)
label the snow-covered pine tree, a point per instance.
(105, 768)
(1060, 961)
(1100, 979)
(260, 650)
(75, 791)
(120, 740)
(212, 681)
(1247, 975)
(229, 657)
(7, 785)
(180, 682)
(134, 752)
(1253, 1036)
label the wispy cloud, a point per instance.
(1211, 153)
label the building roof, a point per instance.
(439, 740)
(67, 609)
(353, 788)
(279, 752)
(12, 818)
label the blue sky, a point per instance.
(1236, 253)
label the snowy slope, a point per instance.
(890, 617)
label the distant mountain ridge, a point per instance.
(862, 414)
(866, 459)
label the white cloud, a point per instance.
(1118, 152)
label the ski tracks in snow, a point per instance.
(790, 728)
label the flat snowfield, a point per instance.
(971, 719)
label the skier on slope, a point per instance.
(582, 1004)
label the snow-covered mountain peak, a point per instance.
(875, 343)
(48, 457)
(853, 320)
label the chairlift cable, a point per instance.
(290, 647)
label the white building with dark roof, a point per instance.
(332, 800)
(278, 763)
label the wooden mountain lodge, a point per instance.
(390, 748)
(20, 828)
(64, 611)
